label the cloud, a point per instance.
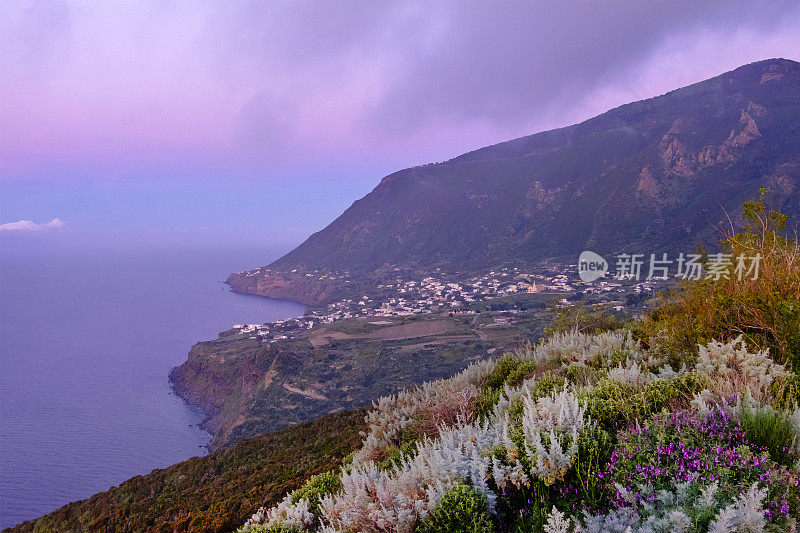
(254, 85)
(29, 225)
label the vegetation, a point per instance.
(547, 454)
(462, 509)
(317, 487)
(765, 311)
(769, 429)
(583, 319)
(657, 427)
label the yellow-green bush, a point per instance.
(765, 310)
(462, 509)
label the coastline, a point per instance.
(176, 386)
(284, 286)
(121, 345)
(206, 381)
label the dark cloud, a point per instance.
(260, 83)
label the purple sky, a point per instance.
(236, 117)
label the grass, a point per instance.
(771, 430)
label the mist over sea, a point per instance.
(87, 338)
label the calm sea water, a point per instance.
(87, 340)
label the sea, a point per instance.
(88, 336)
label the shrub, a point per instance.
(274, 528)
(504, 367)
(544, 455)
(731, 368)
(673, 392)
(286, 514)
(688, 507)
(765, 311)
(610, 359)
(547, 384)
(421, 410)
(557, 522)
(396, 454)
(682, 447)
(522, 371)
(509, 371)
(374, 500)
(614, 404)
(541, 443)
(744, 515)
(785, 392)
(581, 375)
(485, 401)
(594, 448)
(315, 488)
(769, 429)
(550, 427)
(578, 347)
(608, 403)
(462, 509)
(578, 318)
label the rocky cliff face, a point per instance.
(286, 286)
(219, 377)
(649, 176)
(248, 386)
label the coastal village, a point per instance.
(453, 294)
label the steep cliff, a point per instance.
(286, 285)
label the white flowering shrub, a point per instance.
(795, 419)
(704, 402)
(573, 347)
(437, 403)
(624, 520)
(631, 374)
(389, 416)
(373, 500)
(745, 515)
(529, 439)
(557, 522)
(652, 511)
(549, 429)
(559, 411)
(732, 369)
(296, 515)
(291, 514)
(256, 519)
(667, 372)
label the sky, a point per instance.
(256, 122)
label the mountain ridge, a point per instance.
(594, 184)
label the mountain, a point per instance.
(648, 176)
